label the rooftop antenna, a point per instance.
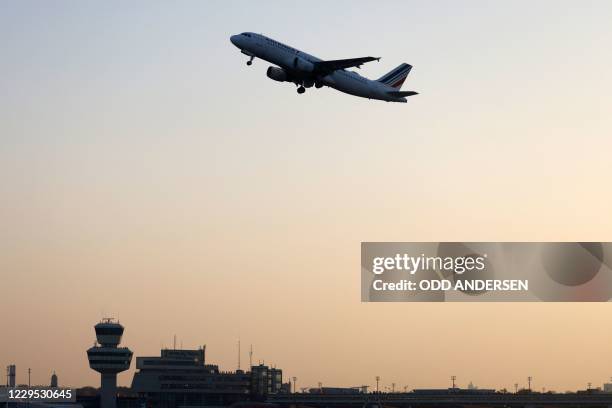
(174, 343)
(251, 357)
(239, 353)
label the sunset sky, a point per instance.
(147, 173)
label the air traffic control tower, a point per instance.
(108, 359)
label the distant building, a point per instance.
(276, 378)
(461, 391)
(266, 380)
(285, 388)
(53, 380)
(589, 391)
(336, 390)
(182, 378)
(607, 387)
(11, 374)
(260, 380)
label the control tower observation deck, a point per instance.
(108, 359)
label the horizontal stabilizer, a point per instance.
(401, 94)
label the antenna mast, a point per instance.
(239, 354)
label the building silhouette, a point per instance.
(265, 380)
(184, 378)
(11, 374)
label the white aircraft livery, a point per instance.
(305, 70)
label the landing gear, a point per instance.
(250, 62)
(301, 90)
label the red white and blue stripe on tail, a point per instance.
(396, 77)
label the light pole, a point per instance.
(377, 381)
(529, 383)
(453, 378)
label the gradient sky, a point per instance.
(147, 173)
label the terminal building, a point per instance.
(183, 378)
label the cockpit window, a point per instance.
(247, 35)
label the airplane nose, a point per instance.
(234, 40)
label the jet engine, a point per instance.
(277, 74)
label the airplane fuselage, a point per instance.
(299, 68)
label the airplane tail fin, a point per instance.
(396, 77)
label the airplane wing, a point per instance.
(327, 67)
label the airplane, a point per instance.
(306, 71)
